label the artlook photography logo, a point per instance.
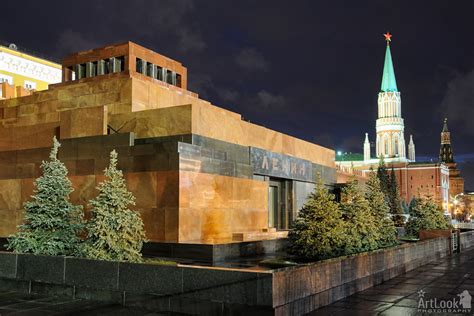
(461, 303)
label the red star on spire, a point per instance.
(388, 37)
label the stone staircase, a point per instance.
(264, 234)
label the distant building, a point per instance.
(21, 73)
(414, 178)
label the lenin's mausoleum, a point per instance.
(199, 172)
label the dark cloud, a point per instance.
(70, 41)
(228, 95)
(458, 102)
(190, 41)
(269, 101)
(304, 68)
(251, 60)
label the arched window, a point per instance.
(395, 145)
(386, 144)
(378, 145)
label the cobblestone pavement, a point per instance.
(442, 280)
(12, 303)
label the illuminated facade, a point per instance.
(446, 156)
(200, 174)
(414, 178)
(22, 73)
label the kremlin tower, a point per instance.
(390, 128)
(446, 156)
(413, 178)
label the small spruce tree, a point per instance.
(318, 231)
(387, 233)
(52, 224)
(383, 176)
(114, 231)
(425, 214)
(394, 201)
(361, 229)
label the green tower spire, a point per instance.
(389, 84)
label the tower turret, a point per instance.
(411, 149)
(366, 147)
(390, 127)
(446, 151)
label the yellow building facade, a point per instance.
(21, 73)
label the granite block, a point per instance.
(8, 157)
(21, 286)
(192, 306)
(8, 262)
(48, 269)
(88, 293)
(140, 150)
(151, 302)
(91, 273)
(85, 166)
(264, 289)
(52, 289)
(221, 285)
(146, 278)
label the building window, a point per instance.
(80, 71)
(91, 68)
(159, 73)
(169, 76)
(116, 64)
(5, 78)
(178, 80)
(150, 70)
(30, 85)
(102, 67)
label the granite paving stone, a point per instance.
(443, 279)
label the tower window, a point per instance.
(396, 146)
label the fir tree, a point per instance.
(394, 201)
(114, 232)
(383, 176)
(386, 231)
(361, 229)
(425, 214)
(52, 224)
(318, 231)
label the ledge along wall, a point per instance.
(219, 291)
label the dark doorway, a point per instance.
(279, 202)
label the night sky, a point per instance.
(311, 69)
